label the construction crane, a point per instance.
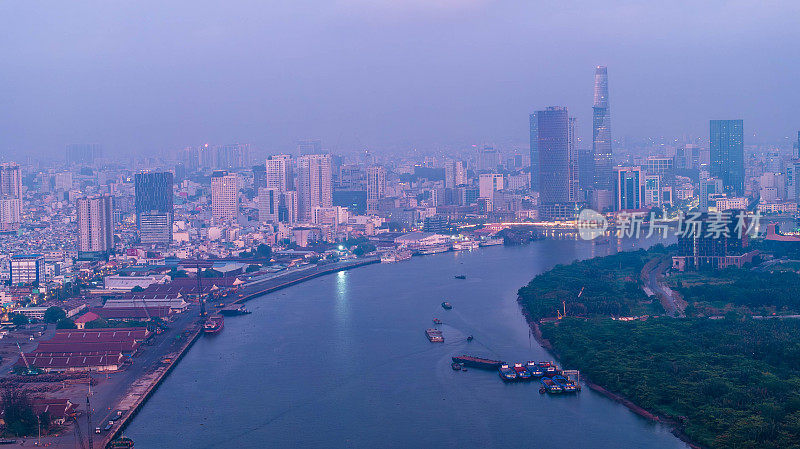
(28, 370)
(561, 314)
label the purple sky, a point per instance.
(158, 75)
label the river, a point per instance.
(342, 361)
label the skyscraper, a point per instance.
(488, 183)
(454, 173)
(224, 196)
(279, 172)
(726, 151)
(628, 187)
(315, 188)
(95, 225)
(154, 206)
(534, 129)
(269, 201)
(558, 165)
(83, 153)
(309, 146)
(10, 197)
(601, 138)
(376, 187)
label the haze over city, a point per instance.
(148, 77)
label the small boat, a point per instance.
(456, 366)
(470, 338)
(213, 325)
(446, 305)
(437, 321)
(434, 335)
(507, 373)
(522, 372)
(548, 368)
(567, 385)
(534, 369)
(477, 362)
(461, 276)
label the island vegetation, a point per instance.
(726, 376)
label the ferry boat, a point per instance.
(507, 373)
(534, 369)
(446, 305)
(434, 335)
(477, 362)
(567, 385)
(522, 372)
(214, 325)
(492, 241)
(433, 249)
(550, 385)
(465, 245)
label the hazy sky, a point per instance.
(158, 75)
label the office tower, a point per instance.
(205, 156)
(585, 172)
(95, 225)
(601, 136)
(259, 176)
(488, 183)
(224, 196)
(83, 153)
(652, 190)
(454, 173)
(710, 188)
(279, 172)
(236, 155)
(314, 187)
(269, 202)
(154, 206)
(726, 152)
(287, 211)
(628, 186)
(376, 187)
(558, 174)
(792, 180)
(534, 130)
(574, 180)
(27, 269)
(308, 147)
(190, 158)
(488, 158)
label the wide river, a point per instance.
(342, 361)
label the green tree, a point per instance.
(18, 412)
(137, 289)
(263, 251)
(252, 268)
(99, 323)
(54, 314)
(19, 319)
(65, 323)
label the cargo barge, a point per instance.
(567, 385)
(213, 325)
(522, 372)
(477, 362)
(534, 369)
(550, 385)
(507, 373)
(434, 335)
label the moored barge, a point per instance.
(477, 362)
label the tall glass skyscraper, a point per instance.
(601, 132)
(154, 206)
(534, 128)
(727, 154)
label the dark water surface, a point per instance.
(342, 361)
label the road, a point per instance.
(669, 298)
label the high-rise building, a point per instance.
(628, 187)
(10, 180)
(27, 269)
(376, 187)
(601, 132)
(95, 225)
(315, 188)
(488, 158)
(652, 190)
(309, 146)
(259, 176)
(534, 130)
(287, 211)
(224, 196)
(154, 206)
(488, 183)
(83, 153)
(10, 214)
(235, 155)
(269, 202)
(726, 152)
(558, 165)
(10, 197)
(280, 173)
(585, 172)
(454, 173)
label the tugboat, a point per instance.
(214, 325)
(470, 338)
(437, 321)
(507, 373)
(456, 366)
(446, 305)
(461, 276)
